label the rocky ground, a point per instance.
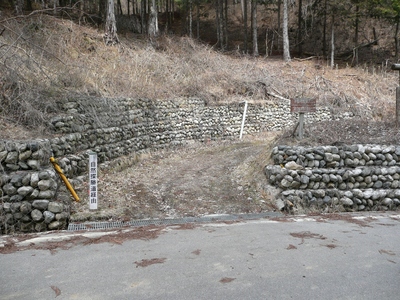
(211, 178)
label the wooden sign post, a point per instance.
(301, 106)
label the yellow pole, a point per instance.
(67, 184)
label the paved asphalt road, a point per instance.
(336, 257)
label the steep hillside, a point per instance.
(45, 59)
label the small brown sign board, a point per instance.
(303, 105)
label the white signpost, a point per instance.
(92, 181)
(243, 119)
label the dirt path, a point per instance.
(211, 178)
(214, 178)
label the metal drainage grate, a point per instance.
(178, 221)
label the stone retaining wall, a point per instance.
(141, 124)
(114, 128)
(336, 178)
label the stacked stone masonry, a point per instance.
(115, 128)
(336, 178)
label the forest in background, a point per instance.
(356, 31)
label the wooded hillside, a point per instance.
(356, 31)
(48, 55)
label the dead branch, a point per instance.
(350, 52)
(39, 11)
(276, 96)
(305, 59)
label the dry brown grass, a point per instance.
(44, 59)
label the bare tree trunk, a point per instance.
(242, 2)
(102, 10)
(55, 4)
(278, 43)
(184, 17)
(226, 22)
(110, 35)
(396, 37)
(143, 15)
(18, 6)
(355, 58)
(245, 26)
(153, 20)
(254, 26)
(221, 23)
(190, 18)
(167, 23)
(286, 51)
(80, 11)
(172, 14)
(219, 11)
(217, 21)
(333, 42)
(299, 29)
(198, 19)
(324, 30)
(119, 6)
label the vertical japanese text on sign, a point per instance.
(93, 181)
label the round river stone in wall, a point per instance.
(48, 216)
(55, 207)
(40, 204)
(36, 215)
